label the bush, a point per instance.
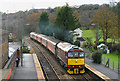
(115, 48)
(77, 43)
(95, 46)
(97, 57)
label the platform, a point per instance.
(28, 71)
(104, 70)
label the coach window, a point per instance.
(70, 54)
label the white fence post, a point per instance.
(113, 65)
(118, 67)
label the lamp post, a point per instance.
(22, 43)
(97, 35)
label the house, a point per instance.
(78, 31)
(81, 39)
(78, 36)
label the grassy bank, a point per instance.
(91, 34)
(112, 57)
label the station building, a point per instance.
(3, 48)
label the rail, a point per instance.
(46, 67)
(48, 56)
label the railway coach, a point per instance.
(71, 56)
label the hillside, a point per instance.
(14, 21)
(86, 12)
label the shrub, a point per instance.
(95, 46)
(115, 48)
(77, 43)
(97, 57)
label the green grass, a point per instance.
(112, 57)
(91, 34)
(116, 41)
(88, 33)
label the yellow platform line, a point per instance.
(99, 74)
(39, 71)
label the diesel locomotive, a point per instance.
(71, 56)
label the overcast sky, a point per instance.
(16, 5)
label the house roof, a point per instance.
(80, 39)
(78, 29)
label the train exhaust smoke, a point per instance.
(56, 31)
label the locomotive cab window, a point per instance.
(75, 54)
(81, 54)
(70, 54)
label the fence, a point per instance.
(105, 61)
(11, 65)
(111, 64)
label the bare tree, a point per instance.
(107, 20)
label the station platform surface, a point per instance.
(27, 71)
(104, 70)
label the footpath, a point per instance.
(104, 70)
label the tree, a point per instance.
(86, 13)
(107, 21)
(77, 15)
(65, 18)
(32, 21)
(62, 34)
(43, 22)
(119, 21)
(52, 18)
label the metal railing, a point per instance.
(11, 64)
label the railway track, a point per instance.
(58, 70)
(47, 69)
(84, 77)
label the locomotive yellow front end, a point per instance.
(76, 62)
